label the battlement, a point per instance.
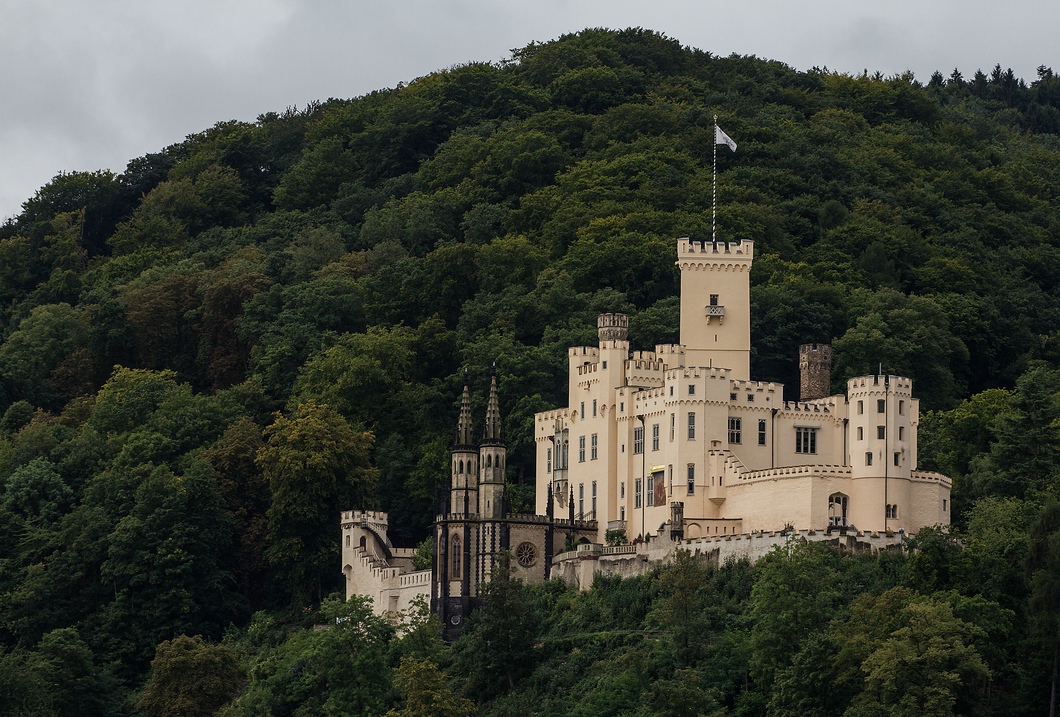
(872, 385)
(705, 251)
(589, 353)
(674, 374)
(612, 327)
(767, 386)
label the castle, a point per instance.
(677, 443)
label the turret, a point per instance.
(492, 456)
(464, 483)
(815, 371)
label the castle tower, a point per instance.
(716, 304)
(882, 446)
(492, 455)
(464, 483)
(815, 371)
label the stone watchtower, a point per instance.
(815, 371)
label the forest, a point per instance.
(207, 356)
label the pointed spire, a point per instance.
(465, 436)
(492, 432)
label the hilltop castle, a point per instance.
(677, 443)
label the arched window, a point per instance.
(461, 469)
(456, 557)
(837, 510)
(489, 460)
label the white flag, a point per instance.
(722, 138)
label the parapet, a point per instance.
(612, 327)
(693, 251)
(872, 385)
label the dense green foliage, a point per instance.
(205, 357)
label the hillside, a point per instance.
(206, 356)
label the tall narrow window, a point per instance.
(691, 478)
(638, 488)
(901, 433)
(594, 406)
(897, 458)
(593, 444)
(691, 426)
(868, 458)
(581, 449)
(651, 489)
(455, 544)
(622, 490)
(761, 431)
(673, 425)
(581, 500)
(901, 408)
(735, 430)
(638, 439)
(691, 389)
(594, 500)
(548, 460)
(881, 432)
(805, 440)
(861, 407)
(655, 436)
(881, 405)
(861, 433)
(581, 413)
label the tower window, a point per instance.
(691, 426)
(456, 557)
(594, 499)
(581, 449)
(897, 457)
(691, 389)
(460, 467)
(673, 425)
(805, 440)
(604, 365)
(594, 406)
(761, 431)
(901, 408)
(651, 489)
(901, 433)
(861, 407)
(582, 411)
(691, 478)
(892, 512)
(548, 460)
(638, 498)
(655, 436)
(868, 458)
(622, 490)
(881, 432)
(735, 430)
(581, 500)
(713, 299)
(861, 433)
(881, 405)
(638, 440)
(593, 443)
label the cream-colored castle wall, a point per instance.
(723, 339)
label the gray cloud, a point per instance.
(90, 85)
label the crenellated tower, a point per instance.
(716, 304)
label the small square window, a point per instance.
(732, 396)
(604, 365)
(750, 398)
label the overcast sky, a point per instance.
(90, 84)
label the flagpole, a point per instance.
(714, 188)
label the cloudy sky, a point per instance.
(90, 84)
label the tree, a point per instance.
(497, 647)
(423, 687)
(191, 679)
(793, 597)
(315, 463)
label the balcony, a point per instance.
(715, 311)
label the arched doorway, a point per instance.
(837, 510)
